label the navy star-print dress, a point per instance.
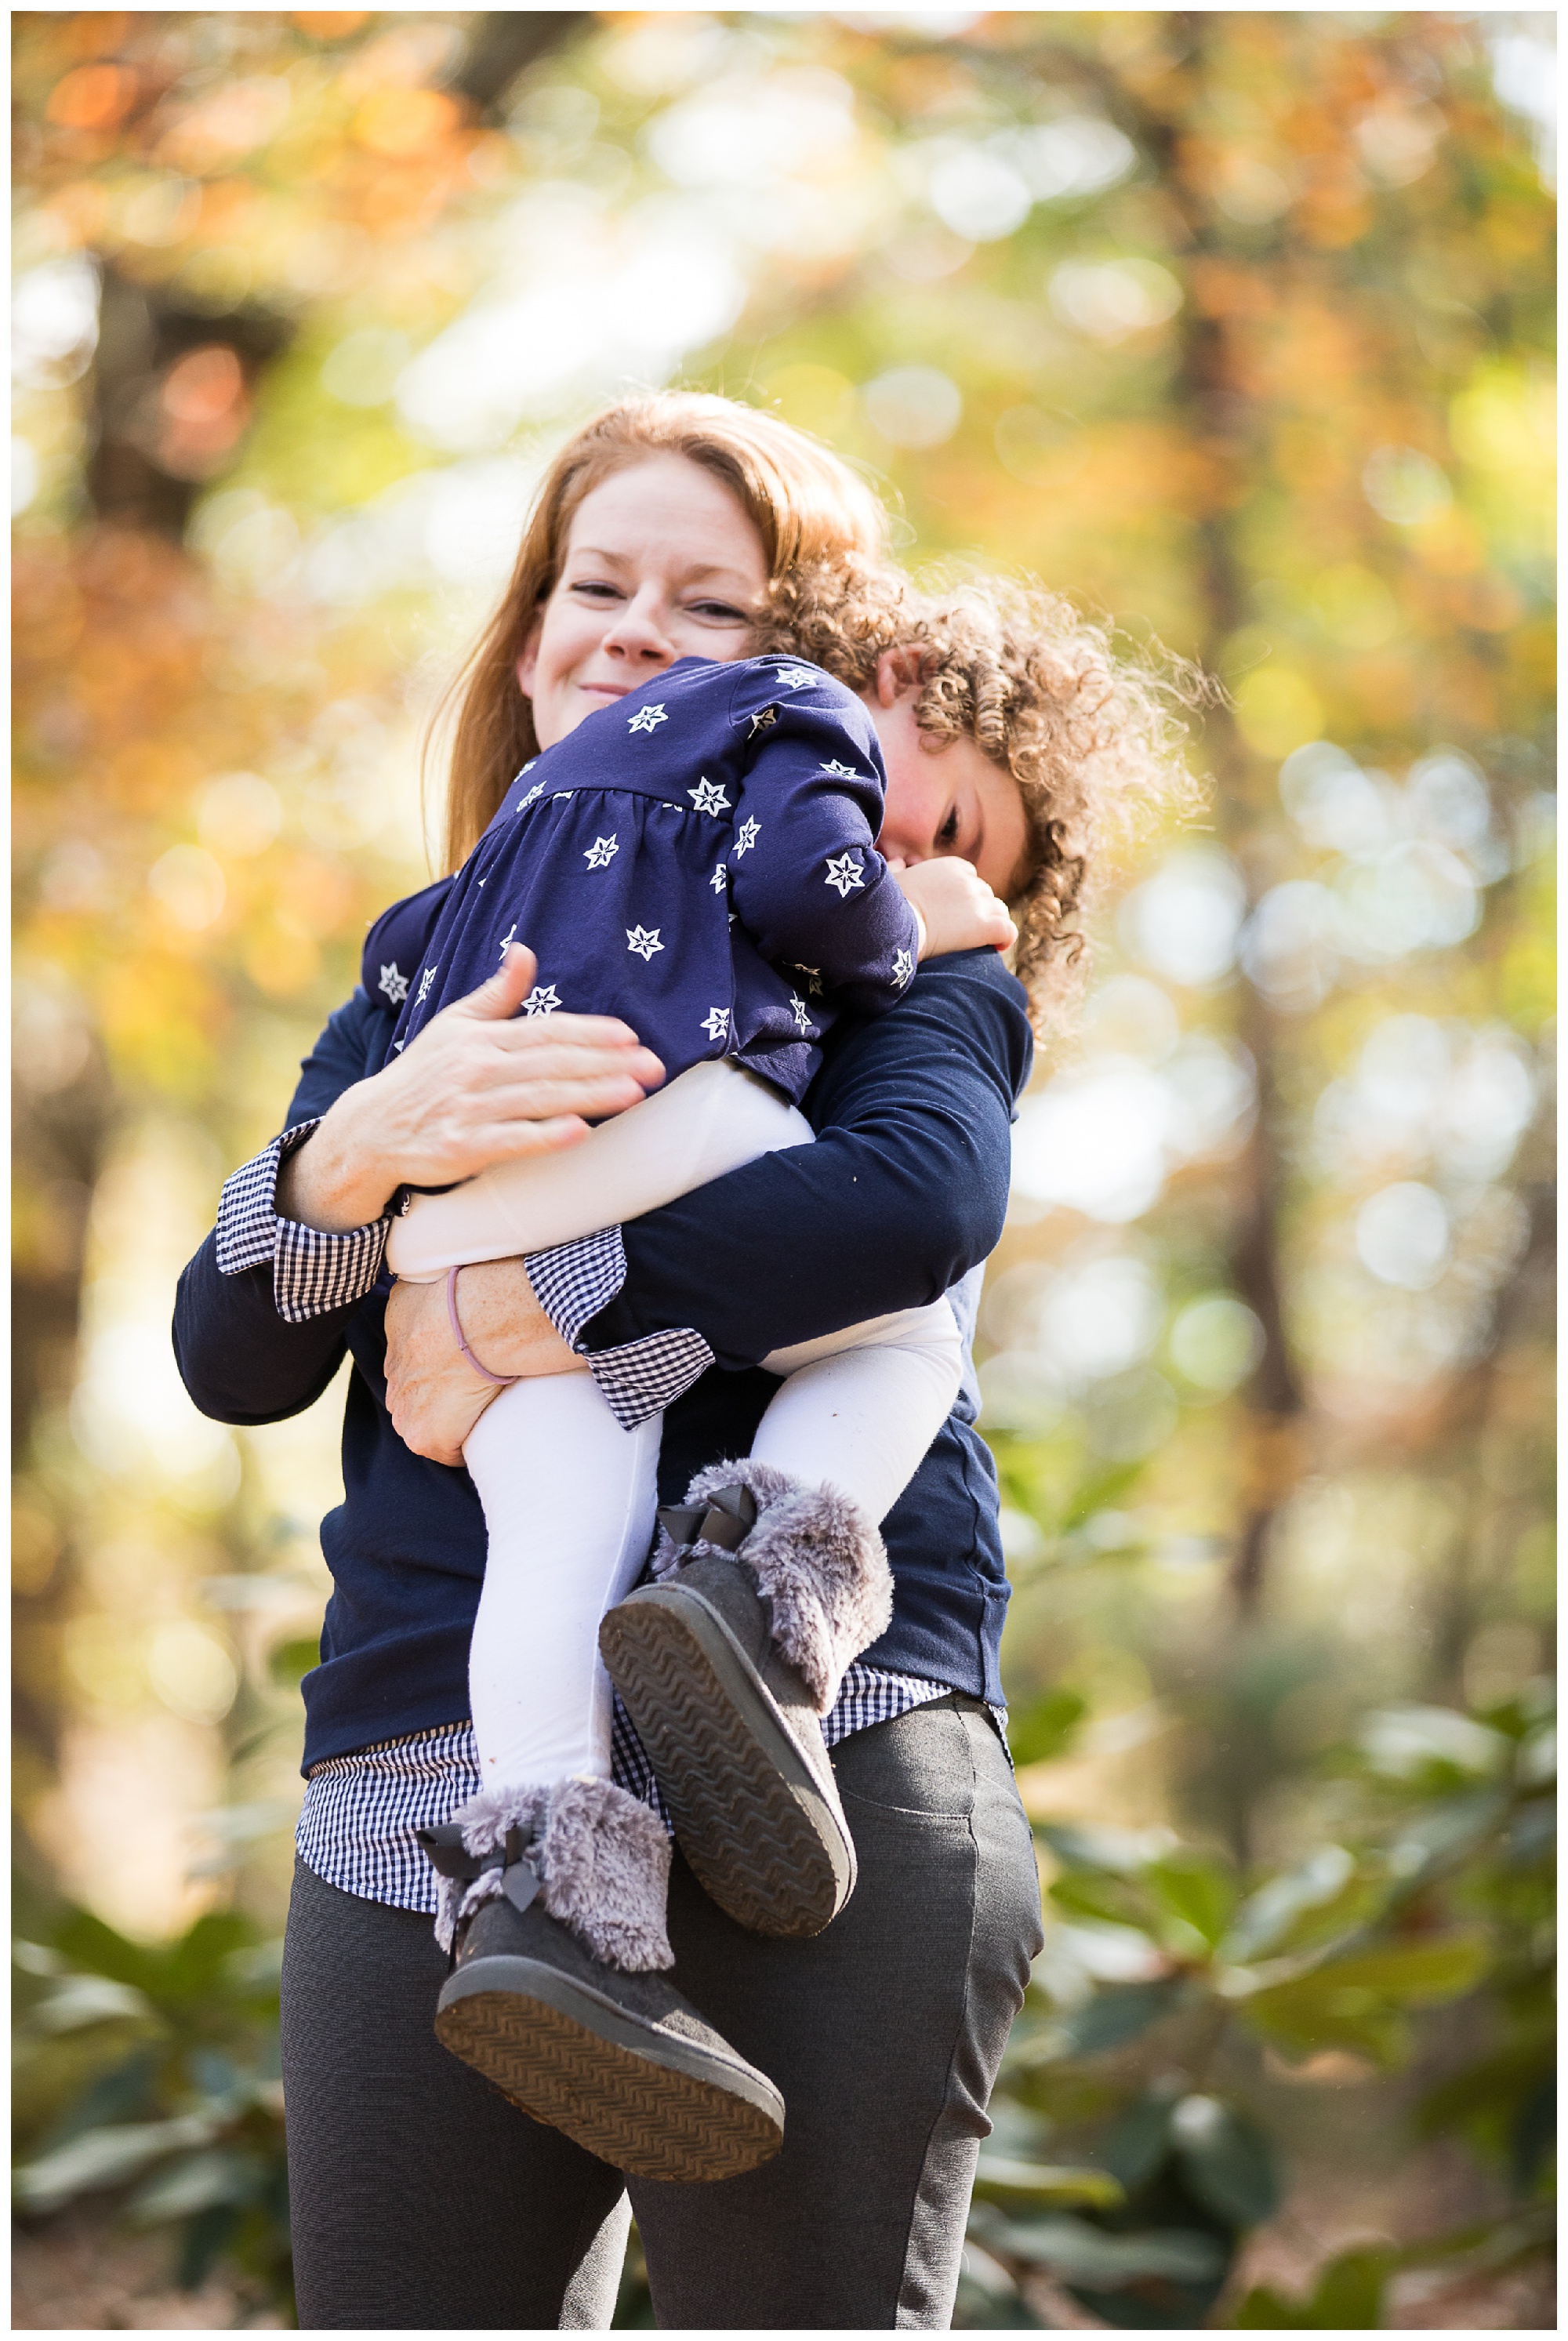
(695, 858)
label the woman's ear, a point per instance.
(897, 672)
(528, 664)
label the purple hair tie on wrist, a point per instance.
(502, 1381)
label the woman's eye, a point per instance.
(722, 611)
(948, 834)
(597, 589)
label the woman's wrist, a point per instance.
(333, 1181)
(505, 1326)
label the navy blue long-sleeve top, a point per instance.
(903, 1195)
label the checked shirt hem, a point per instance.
(312, 1272)
(572, 1282)
(356, 1827)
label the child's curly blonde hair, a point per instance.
(1089, 731)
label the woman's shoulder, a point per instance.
(396, 942)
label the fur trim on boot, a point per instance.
(602, 1861)
(484, 1821)
(819, 1563)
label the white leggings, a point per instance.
(569, 1497)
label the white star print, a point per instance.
(837, 771)
(813, 976)
(643, 940)
(708, 797)
(717, 1023)
(795, 678)
(507, 940)
(536, 792)
(764, 718)
(542, 1000)
(601, 853)
(802, 1013)
(425, 980)
(393, 982)
(648, 718)
(902, 967)
(721, 874)
(843, 874)
(746, 837)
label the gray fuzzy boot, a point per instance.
(554, 1901)
(767, 1591)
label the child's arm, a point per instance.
(955, 908)
(805, 877)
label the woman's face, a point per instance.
(661, 562)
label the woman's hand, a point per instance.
(481, 1084)
(433, 1394)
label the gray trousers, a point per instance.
(421, 2197)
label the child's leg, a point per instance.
(713, 1119)
(860, 1408)
(773, 1580)
(568, 1500)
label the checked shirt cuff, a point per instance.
(572, 1282)
(311, 1272)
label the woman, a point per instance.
(419, 2199)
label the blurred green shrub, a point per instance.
(1166, 1974)
(148, 2078)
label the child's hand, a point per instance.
(956, 909)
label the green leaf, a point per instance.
(1199, 1892)
(1088, 1896)
(106, 2158)
(1225, 2162)
(1405, 1743)
(1116, 2014)
(1083, 1846)
(80, 2000)
(1267, 1918)
(1136, 2143)
(195, 2183)
(1419, 1973)
(1045, 1729)
(291, 1661)
(1002, 2180)
(1085, 2254)
(1301, 2018)
(1348, 2296)
(1098, 1493)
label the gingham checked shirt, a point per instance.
(361, 1811)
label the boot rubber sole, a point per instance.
(653, 2107)
(763, 1836)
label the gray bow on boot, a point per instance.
(767, 1591)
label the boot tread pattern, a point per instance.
(751, 1844)
(642, 2117)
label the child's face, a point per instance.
(661, 564)
(947, 800)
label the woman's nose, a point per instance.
(638, 631)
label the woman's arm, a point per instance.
(904, 1191)
(263, 1309)
(480, 1085)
